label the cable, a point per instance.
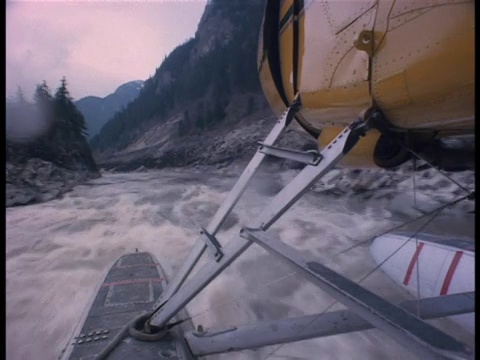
(270, 354)
(132, 327)
(403, 224)
(116, 340)
(418, 279)
(414, 183)
(232, 299)
(440, 171)
(401, 246)
(366, 276)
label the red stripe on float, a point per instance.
(412, 263)
(132, 281)
(450, 272)
(140, 265)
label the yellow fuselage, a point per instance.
(413, 59)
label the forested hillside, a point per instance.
(97, 111)
(46, 149)
(198, 80)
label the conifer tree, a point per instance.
(67, 112)
(42, 94)
(21, 97)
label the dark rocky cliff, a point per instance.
(202, 92)
(46, 149)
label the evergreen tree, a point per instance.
(21, 97)
(186, 77)
(42, 94)
(44, 107)
(59, 137)
(62, 95)
(184, 124)
(200, 122)
(250, 105)
(218, 111)
(69, 116)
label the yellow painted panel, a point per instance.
(269, 89)
(286, 60)
(354, 96)
(284, 6)
(424, 73)
(361, 156)
(341, 14)
(392, 90)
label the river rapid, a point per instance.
(58, 252)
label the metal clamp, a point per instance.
(309, 157)
(201, 332)
(212, 243)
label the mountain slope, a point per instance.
(97, 111)
(46, 149)
(206, 84)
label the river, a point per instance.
(57, 252)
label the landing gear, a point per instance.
(404, 327)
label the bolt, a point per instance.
(105, 331)
(88, 339)
(96, 338)
(80, 342)
(98, 332)
(82, 335)
(104, 337)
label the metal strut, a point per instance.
(280, 331)
(212, 243)
(227, 206)
(331, 155)
(306, 157)
(403, 327)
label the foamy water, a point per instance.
(58, 252)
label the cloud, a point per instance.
(97, 45)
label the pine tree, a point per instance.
(42, 94)
(250, 105)
(62, 92)
(43, 102)
(21, 97)
(200, 121)
(68, 113)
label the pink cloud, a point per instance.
(96, 45)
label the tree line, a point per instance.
(61, 128)
(199, 91)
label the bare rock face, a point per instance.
(37, 181)
(214, 30)
(381, 183)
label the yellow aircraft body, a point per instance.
(412, 59)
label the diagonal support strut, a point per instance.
(227, 205)
(331, 155)
(287, 330)
(405, 328)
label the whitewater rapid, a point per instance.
(58, 252)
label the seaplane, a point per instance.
(376, 83)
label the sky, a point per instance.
(97, 45)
